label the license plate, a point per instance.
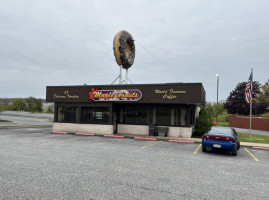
(217, 145)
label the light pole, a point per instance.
(217, 99)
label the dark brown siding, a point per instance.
(181, 93)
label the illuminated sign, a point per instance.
(115, 95)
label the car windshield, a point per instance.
(220, 130)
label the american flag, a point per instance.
(248, 90)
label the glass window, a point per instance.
(95, 115)
(192, 116)
(129, 116)
(141, 116)
(163, 116)
(67, 114)
(173, 117)
(178, 117)
(183, 117)
(87, 115)
(134, 116)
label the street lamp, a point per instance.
(217, 99)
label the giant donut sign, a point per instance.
(124, 49)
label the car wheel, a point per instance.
(238, 146)
(234, 153)
(204, 149)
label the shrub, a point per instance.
(265, 115)
(203, 122)
(223, 117)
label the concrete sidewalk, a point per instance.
(196, 140)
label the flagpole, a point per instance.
(250, 108)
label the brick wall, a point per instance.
(257, 123)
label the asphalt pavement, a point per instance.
(38, 165)
(25, 118)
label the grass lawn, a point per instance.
(226, 124)
(244, 137)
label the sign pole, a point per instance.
(126, 77)
(120, 75)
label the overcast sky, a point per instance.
(70, 42)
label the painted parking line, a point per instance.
(151, 144)
(251, 155)
(196, 150)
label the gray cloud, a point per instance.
(66, 42)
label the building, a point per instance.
(129, 108)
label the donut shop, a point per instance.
(168, 109)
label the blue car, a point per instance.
(218, 137)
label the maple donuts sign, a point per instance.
(115, 95)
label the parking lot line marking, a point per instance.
(251, 155)
(199, 146)
(151, 144)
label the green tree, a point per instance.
(18, 104)
(236, 104)
(215, 111)
(5, 104)
(39, 105)
(263, 96)
(1, 107)
(34, 105)
(203, 122)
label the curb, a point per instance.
(164, 139)
(56, 132)
(260, 148)
(85, 134)
(143, 138)
(114, 136)
(181, 141)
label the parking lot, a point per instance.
(35, 164)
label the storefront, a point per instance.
(130, 108)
